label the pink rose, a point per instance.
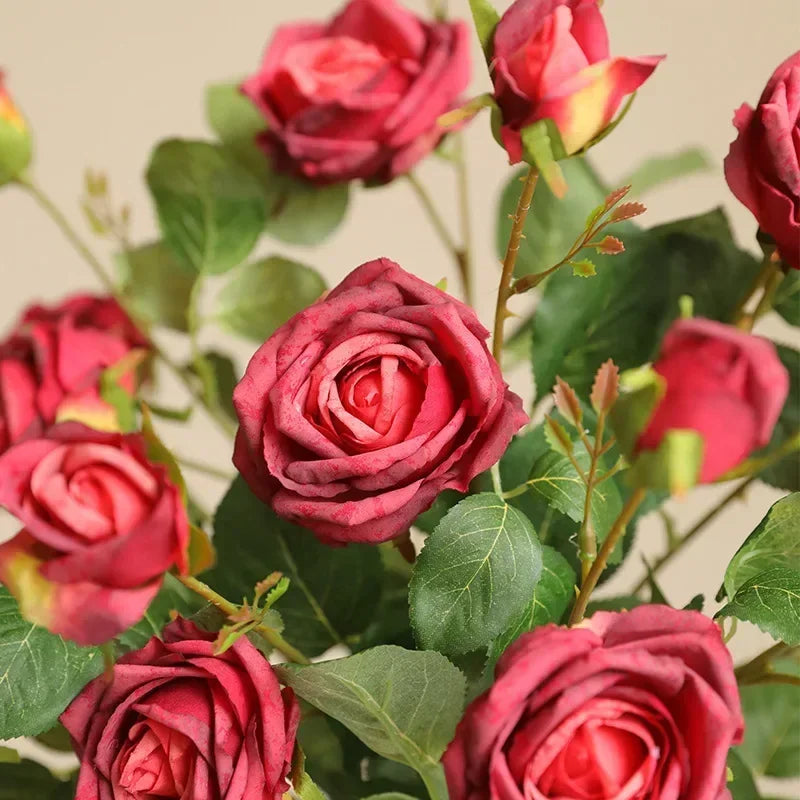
(763, 165)
(630, 706)
(102, 525)
(552, 60)
(176, 721)
(360, 410)
(727, 385)
(358, 97)
(51, 364)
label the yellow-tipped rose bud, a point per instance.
(16, 145)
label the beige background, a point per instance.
(101, 81)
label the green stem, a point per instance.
(770, 288)
(614, 535)
(791, 445)
(504, 290)
(435, 782)
(465, 262)
(229, 609)
(740, 317)
(587, 538)
(104, 278)
(205, 469)
(755, 669)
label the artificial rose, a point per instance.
(358, 97)
(357, 412)
(727, 385)
(15, 138)
(640, 705)
(176, 721)
(102, 525)
(51, 363)
(551, 61)
(763, 165)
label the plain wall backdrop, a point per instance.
(100, 82)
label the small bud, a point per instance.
(15, 138)
(610, 246)
(567, 402)
(605, 389)
(627, 211)
(583, 268)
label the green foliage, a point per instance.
(28, 780)
(174, 596)
(40, 673)
(474, 576)
(333, 592)
(741, 786)
(658, 170)
(308, 214)
(542, 147)
(775, 542)
(261, 296)
(787, 298)
(551, 598)
(155, 285)
(402, 704)
(623, 312)
(210, 209)
(786, 473)
(220, 381)
(486, 18)
(772, 725)
(771, 600)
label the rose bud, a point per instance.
(177, 721)
(51, 364)
(360, 410)
(727, 385)
(16, 145)
(102, 525)
(763, 165)
(358, 97)
(552, 61)
(635, 705)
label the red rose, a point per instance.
(102, 525)
(177, 721)
(763, 165)
(551, 60)
(51, 363)
(727, 385)
(360, 96)
(357, 412)
(636, 705)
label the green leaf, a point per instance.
(29, 780)
(486, 18)
(673, 467)
(742, 787)
(474, 576)
(774, 543)
(658, 170)
(210, 209)
(428, 520)
(542, 147)
(402, 704)
(553, 224)
(223, 371)
(232, 116)
(551, 598)
(770, 600)
(641, 391)
(333, 591)
(786, 473)
(173, 596)
(9, 756)
(156, 285)
(622, 315)
(261, 296)
(308, 214)
(584, 268)
(787, 298)
(40, 673)
(772, 725)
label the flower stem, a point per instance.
(614, 535)
(465, 260)
(205, 469)
(769, 266)
(587, 538)
(791, 445)
(229, 609)
(759, 669)
(108, 284)
(504, 290)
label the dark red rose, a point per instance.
(51, 363)
(636, 706)
(763, 165)
(552, 60)
(357, 412)
(727, 385)
(102, 525)
(176, 721)
(358, 97)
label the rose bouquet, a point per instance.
(401, 592)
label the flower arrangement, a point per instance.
(396, 597)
